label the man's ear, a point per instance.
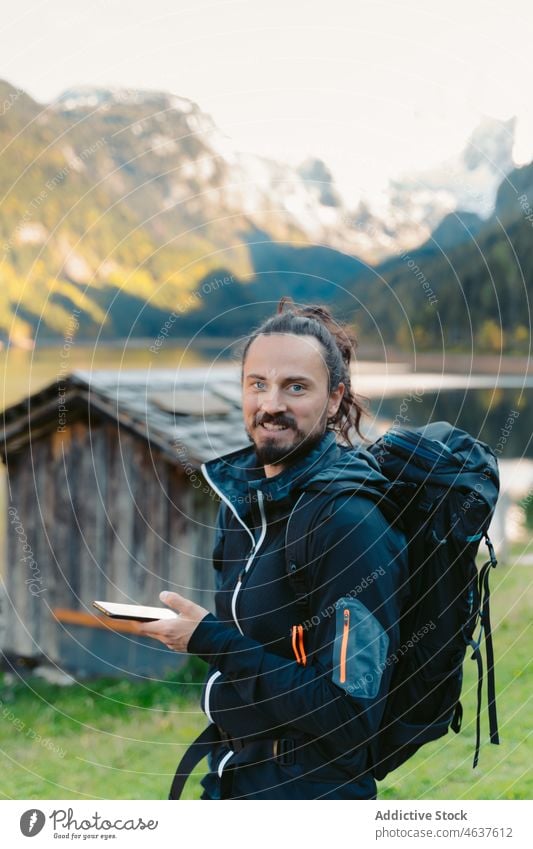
(335, 399)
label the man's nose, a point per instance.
(272, 401)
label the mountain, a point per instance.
(125, 202)
(126, 205)
(454, 229)
(468, 180)
(469, 287)
(417, 203)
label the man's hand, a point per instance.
(174, 633)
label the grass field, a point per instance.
(122, 740)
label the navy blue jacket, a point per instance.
(323, 687)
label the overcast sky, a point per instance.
(372, 87)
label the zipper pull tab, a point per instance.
(344, 645)
(297, 640)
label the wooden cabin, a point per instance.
(106, 500)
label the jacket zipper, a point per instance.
(228, 502)
(255, 549)
(344, 645)
(255, 545)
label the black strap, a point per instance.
(280, 750)
(298, 580)
(194, 754)
(484, 612)
(301, 520)
(296, 531)
(457, 718)
(489, 649)
(476, 655)
(300, 750)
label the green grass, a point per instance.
(103, 739)
(121, 740)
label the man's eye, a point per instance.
(297, 385)
(259, 384)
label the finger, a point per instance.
(176, 601)
(150, 629)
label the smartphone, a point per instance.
(138, 612)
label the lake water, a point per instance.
(485, 407)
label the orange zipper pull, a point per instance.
(344, 645)
(297, 639)
(302, 647)
(294, 631)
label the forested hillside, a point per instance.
(471, 284)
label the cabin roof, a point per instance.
(191, 415)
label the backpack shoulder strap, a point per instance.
(305, 518)
(301, 521)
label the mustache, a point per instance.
(277, 420)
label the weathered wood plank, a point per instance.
(156, 549)
(102, 529)
(86, 501)
(41, 630)
(18, 569)
(120, 584)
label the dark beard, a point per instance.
(271, 454)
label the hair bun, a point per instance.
(345, 341)
(322, 313)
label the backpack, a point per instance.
(442, 490)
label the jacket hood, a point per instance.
(237, 477)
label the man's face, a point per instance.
(286, 404)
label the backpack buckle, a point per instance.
(492, 555)
(283, 749)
